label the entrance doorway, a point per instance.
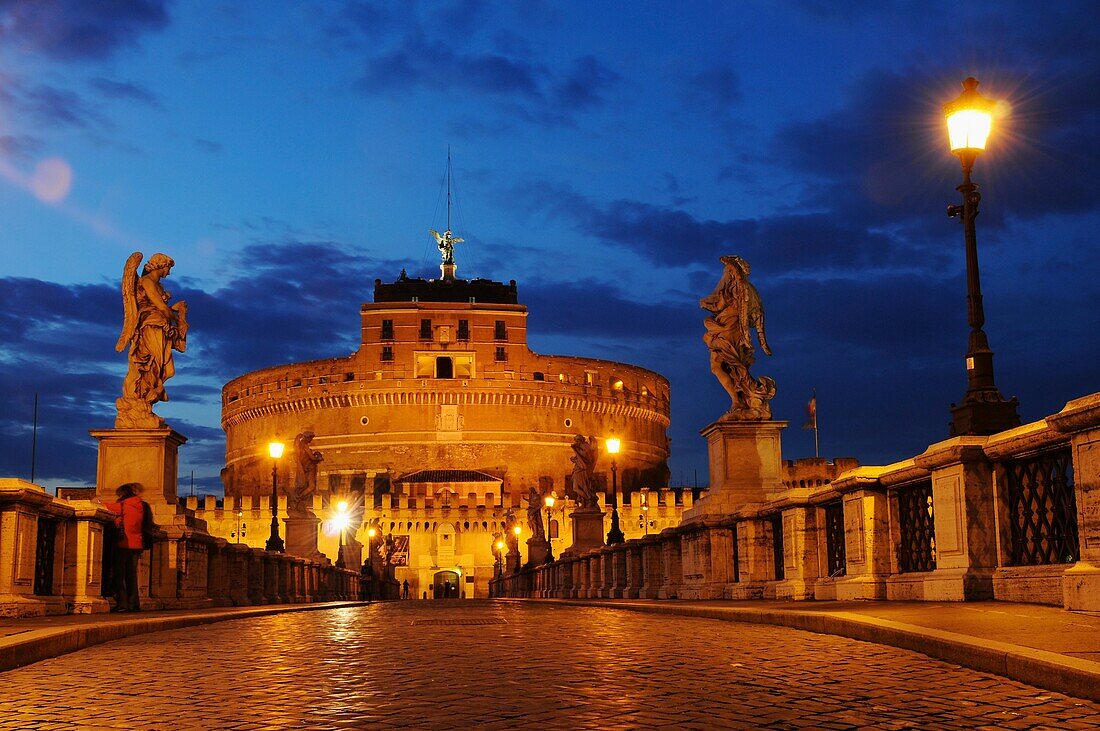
(445, 585)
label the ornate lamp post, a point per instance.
(548, 501)
(274, 542)
(615, 535)
(371, 533)
(340, 521)
(983, 409)
(498, 549)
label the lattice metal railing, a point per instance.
(44, 556)
(1042, 508)
(834, 538)
(777, 546)
(917, 545)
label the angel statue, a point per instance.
(534, 515)
(446, 242)
(736, 311)
(151, 329)
(308, 459)
(584, 458)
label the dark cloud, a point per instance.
(77, 29)
(22, 147)
(50, 104)
(209, 146)
(126, 90)
(409, 51)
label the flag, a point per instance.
(811, 413)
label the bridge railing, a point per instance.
(1014, 516)
(55, 558)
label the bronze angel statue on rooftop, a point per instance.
(151, 330)
(736, 311)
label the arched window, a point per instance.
(553, 529)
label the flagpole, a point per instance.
(817, 450)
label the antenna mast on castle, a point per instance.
(447, 240)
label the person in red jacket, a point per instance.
(131, 512)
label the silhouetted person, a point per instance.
(131, 511)
(405, 589)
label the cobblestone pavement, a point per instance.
(462, 664)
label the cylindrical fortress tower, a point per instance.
(444, 381)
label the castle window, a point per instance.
(444, 368)
(425, 329)
(463, 329)
(387, 329)
(538, 376)
(617, 384)
(349, 376)
(554, 529)
(501, 354)
(387, 352)
(500, 332)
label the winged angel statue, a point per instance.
(736, 311)
(151, 329)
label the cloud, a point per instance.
(125, 90)
(22, 147)
(209, 146)
(49, 104)
(409, 51)
(71, 30)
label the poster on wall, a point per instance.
(400, 555)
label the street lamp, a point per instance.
(548, 501)
(498, 549)
(241, 527)
(341, 522)
(274, 542)
(615, 535)
(983, 409)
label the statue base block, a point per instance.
(745, 460)
(301, 537)
(148, 456)
(587, 531)
(537, 551)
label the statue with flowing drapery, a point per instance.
(736, 311)
(151, 330)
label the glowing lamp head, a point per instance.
(613, 445)
(275, 449)
(500, 545)
(517, 530)
(371, 532)
(969, 119)
(342, 506)
(549, 501)
(341, 521)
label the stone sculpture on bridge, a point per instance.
(534, 516)
(585, 454)
(308, 459)
(151, 329)
(736, 311)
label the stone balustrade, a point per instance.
(1014, 516)
(54, 560)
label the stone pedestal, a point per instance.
(745, 466)
(755, 560)
(866, 537)
(537, 551)
(148, 456)
(800, 557)
(707, 559)
(587, 530)
(1081, 419)
(962, 496)
(301, 536)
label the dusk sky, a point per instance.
(286, 154)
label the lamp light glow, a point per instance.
(549, 501)
(613, 445)
(517, 530)
(342, 506)
(969, 119)
(500, 545)
(275, 449)
(371, 532)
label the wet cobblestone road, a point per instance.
(506, 665)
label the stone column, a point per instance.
(1081, 419)
(800, 555)
(84, 560)
(671, 563)
(754, 559)
(652, 567)
(867, 545)
(965, 520)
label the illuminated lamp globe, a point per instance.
(275, 449)
(549, 501)
(969, 120)
(613, 445)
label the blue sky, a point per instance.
(605, 154)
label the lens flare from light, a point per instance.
(52, 180)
